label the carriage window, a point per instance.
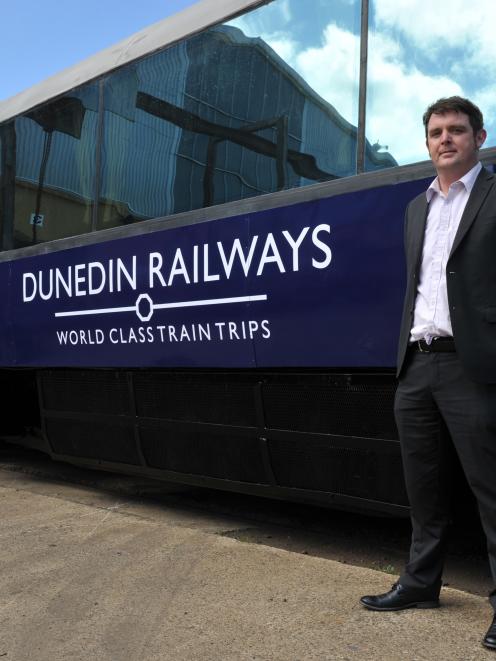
(55, 168)
(263, 103)
(414, 62)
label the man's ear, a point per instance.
(480, 138)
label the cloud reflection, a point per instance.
(417, 52)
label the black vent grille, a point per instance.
(318, 465)
(85, 392)
(93, 439)
(340, 409)
(195, 398)
(209, 424)
(203, 452)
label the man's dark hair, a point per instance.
(455, 104)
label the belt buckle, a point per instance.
(420, 347)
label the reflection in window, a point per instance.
(414, 62)
(55, 168)
(265, 103)
(3, 184)
(7, 182)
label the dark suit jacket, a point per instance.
(470, 275)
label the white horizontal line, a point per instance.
(211, 301)
(82, 313)
(163, 306)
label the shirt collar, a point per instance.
(468, 181)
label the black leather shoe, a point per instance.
(399, 598)
(489, 639)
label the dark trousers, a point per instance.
(435, 397)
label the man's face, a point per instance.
(452, 145)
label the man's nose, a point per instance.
(446, 136)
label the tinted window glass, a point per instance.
(55, 168)
(418, 54)
(266, 102)
(7, 179)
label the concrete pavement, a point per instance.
(85, 576)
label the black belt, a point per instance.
(438, 344)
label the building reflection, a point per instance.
(216, 118)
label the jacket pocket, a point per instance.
(490, 218)
(490, 314)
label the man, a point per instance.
(447, 350)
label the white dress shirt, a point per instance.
(431, 315)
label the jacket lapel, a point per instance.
(416, 230)
(482, 186)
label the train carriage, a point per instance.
(202, 262)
